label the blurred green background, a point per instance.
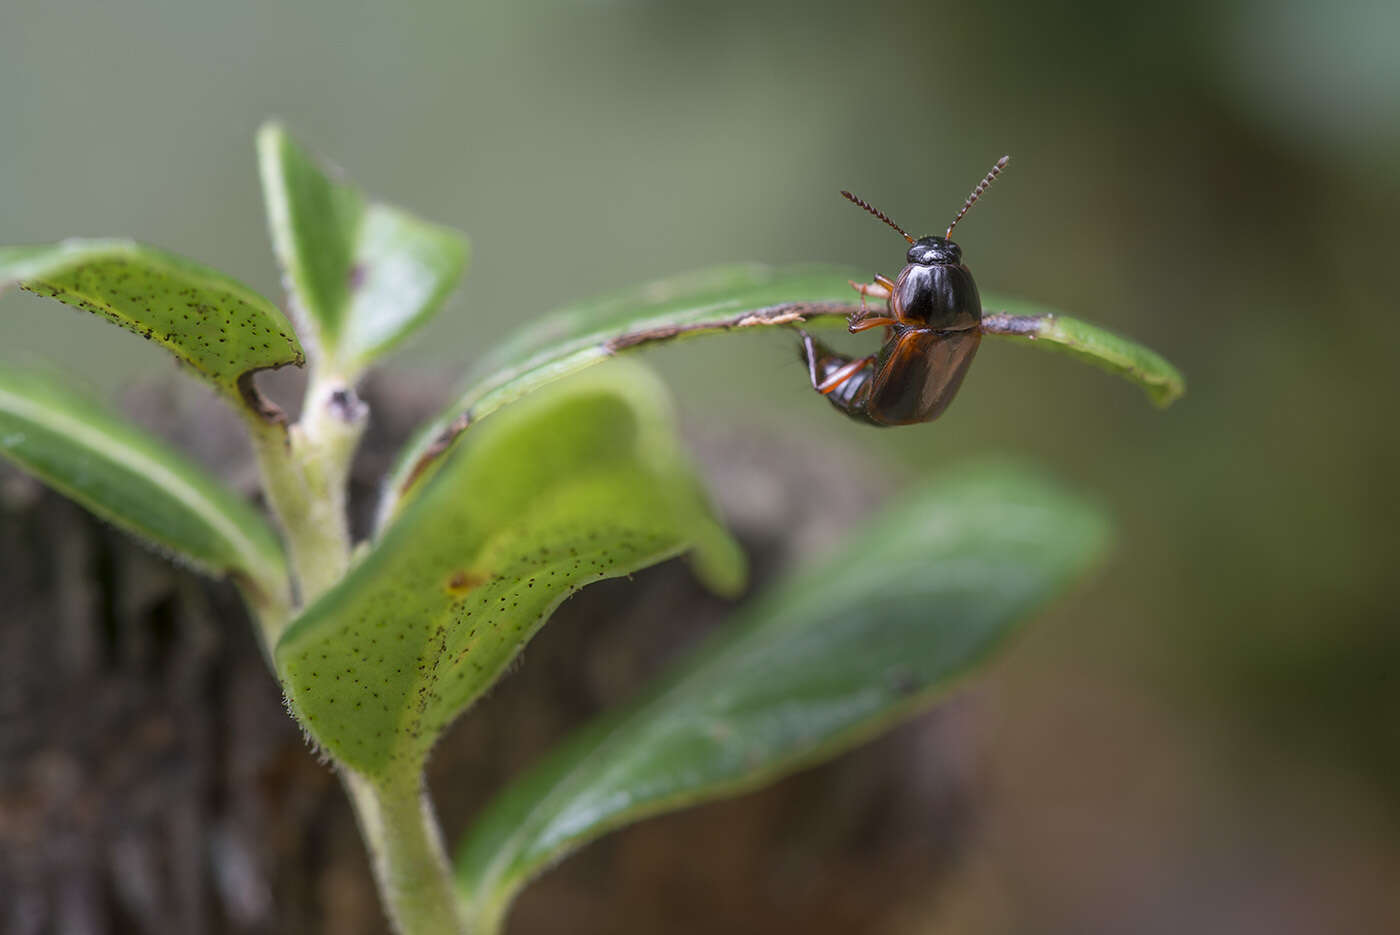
(1203, 738)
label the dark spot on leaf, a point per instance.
(464, 581)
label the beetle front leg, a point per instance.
(882, 288)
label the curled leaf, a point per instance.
(724, 299)
(710, 301)
(581, 482)
(221, 329)
(1162, 382)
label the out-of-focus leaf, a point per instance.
(826, 660)
(134, 480)
(364, 274)
(578, 483)
(218, 327)
(578, 336)
(1162, 382)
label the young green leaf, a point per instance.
(572, 485)
(711, 301)
(135, 481)
(223, 330)
(827, 660)
(1162, 382)
(364, 275)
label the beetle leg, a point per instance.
(845, 383)
(816, 354)
(831, 383)
(809, 354)
(865, 324)
(881, 288)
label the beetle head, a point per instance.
(935, 251)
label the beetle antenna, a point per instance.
(988, 179)
(877, 212)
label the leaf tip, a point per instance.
(1168, 391)
(720, 564)
(271, 132)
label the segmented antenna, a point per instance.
(878, 213)
(977, 193)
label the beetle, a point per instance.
(932, 329)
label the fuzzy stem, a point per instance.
(271, 610)
(323, 443)
(305, 470)
(410, 863)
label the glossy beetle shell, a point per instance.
(917, 375)
(935, 290)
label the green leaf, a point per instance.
(711, 301)
(576, 484)
(363, 274)
(220, 328)
(135, 481)
(826, 660)
(578, 336)
(1162, 382)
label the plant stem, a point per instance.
(271, 610)
(324, 441)
(410, 863)
(305, 469)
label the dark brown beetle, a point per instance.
(933, 327)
